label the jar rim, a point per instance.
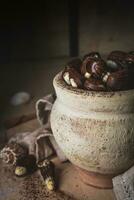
(59, 82)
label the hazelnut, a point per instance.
(94, 85)
(105, 76)
(72, 77)
(20, 171)
(66, 77)
(49, 182)
(93, 67)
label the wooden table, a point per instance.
(30, 187)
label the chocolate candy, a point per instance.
(116, 60)
(72, 77)
(130, 59)
(96, 75)
(93, 67)
(92, 55)
(47, 170)
(12, 153)
(75, 63)
(28, 162)
(94, 85)
(120, 80)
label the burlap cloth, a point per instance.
(42, 144)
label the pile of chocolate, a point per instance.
(94, 74)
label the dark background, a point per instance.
(37, 39)
(38, 30)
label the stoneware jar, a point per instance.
(95, 130)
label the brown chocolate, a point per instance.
(130, 60)
(12, 153)
(116, 60)
(75, 63)
(72, 77)
(120, 80)
(94, 85)
(47, 171)
(29, 162)
(93, 54)
(93, 67)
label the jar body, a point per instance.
(95, 131)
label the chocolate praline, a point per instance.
(116, 60)
(72, 77)
(93, 54)
(93, 67)
(94, 85)
(75, 63)
(120, 80)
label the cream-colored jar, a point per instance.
(95, 130)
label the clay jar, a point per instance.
(95, 130)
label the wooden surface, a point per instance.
(12, 188)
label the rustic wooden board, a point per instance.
(30, 187)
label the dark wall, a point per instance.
(34, 31)
(106, 25)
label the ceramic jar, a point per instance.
(95, 130)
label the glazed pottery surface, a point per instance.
(95, 130)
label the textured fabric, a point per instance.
(43, 110)
(124, 185)
(41, 142)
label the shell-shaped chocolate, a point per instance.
(75, 63)
(120, 80)
(29, 162)
(25, 165)
(116, 60)
(72, 77)
(47, 170)
(130, 60)
(93, 54)
(48, 167)
(94, 85)
(12, 153)
(93, 67)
